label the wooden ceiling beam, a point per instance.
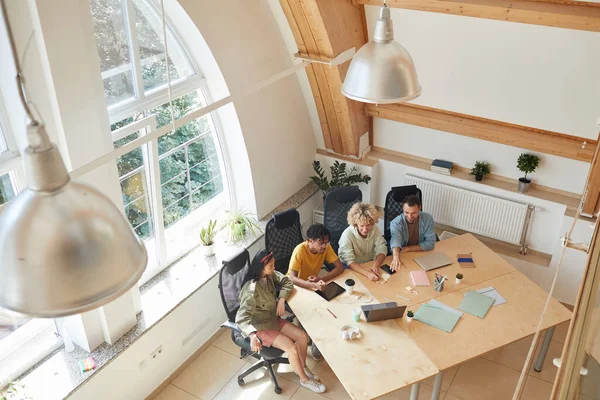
(577, 15)
(539, 140)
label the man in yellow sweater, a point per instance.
(308, 259)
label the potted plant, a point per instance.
(459, 277)
(340, 176)
(238, 222)
(13, 391)
(527, 163)
(409, 316)
(207, 237)
(480, 169)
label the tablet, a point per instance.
(332, 290)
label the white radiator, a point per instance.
(474, 212)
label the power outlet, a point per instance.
(142, 364)
(156, 352)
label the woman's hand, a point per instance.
(280, 307)
(372, 276)
(396, 263)
(255, 344)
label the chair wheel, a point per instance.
(241, 382)
(277, 390)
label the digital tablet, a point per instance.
(332, 290)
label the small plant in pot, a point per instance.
(238, 223)
(459, 277)
(409, 315)
(480, 169)
(527, 163)
(207, 237)
(340, 176)
(13, 391)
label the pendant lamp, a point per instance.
(65, 248)
(382, 71)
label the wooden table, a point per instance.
(369, 367)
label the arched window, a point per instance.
(170, 186)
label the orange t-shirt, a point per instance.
(306, 263)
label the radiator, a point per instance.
(474, 212)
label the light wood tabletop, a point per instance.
(488, 265)
(382, 360)
(503, 324)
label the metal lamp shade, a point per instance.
(65, 248)
(382, 71)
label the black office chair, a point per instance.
(231, 278)
(335, 217)
(282, 235)
(393, 207)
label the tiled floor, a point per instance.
(493, 376)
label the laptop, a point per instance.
(433, 260)
(332, 290)
(383, 311)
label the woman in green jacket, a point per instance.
(259, 312)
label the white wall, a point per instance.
(246, 43)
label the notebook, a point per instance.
(437, 317)
(419, 278)
(493, 293)
(435, 303)
(476, 304)
(433, 260)
(465, 260)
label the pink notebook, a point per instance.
(419, 278)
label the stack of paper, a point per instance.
(476, 303)
(493, 293)
(438, 317)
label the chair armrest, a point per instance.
(231, 325)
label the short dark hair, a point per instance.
(318, 232)
(411, 201)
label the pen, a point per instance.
(331, 313)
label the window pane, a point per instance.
(112, 42)
(176, 211)
(206, 171)
(7, 190)
(172, 165)
(148, 24)
(201, 149)
(139, 217)
(133, 187)
(208, 191)
(175, 189)
(132, 160)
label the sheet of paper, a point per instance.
(435, 303)
(493, 293)
(383, 278)
(437, 317)
(476, 304)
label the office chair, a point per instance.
(335, 217)
(231, 278)
(393, 207)
(282, 235)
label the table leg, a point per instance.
(414, 391)
(544, 350)
(437, 386)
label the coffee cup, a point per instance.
(356, 314)
(349, 285)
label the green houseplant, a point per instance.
(207, 237)
(238, 222)
(409, 315)
(480, 169)
(340, 176)
(527, 163)
(12, 391)
(459, 277)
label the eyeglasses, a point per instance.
(266, 258)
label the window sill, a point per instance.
(59, 375)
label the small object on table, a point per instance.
(459, 278)
(383, 278)
(349, 283)
(356, 314)
(438, 283)
(330, 312)
(465, 260)
(475, 303)
(411, 290)
(402, 297)
(87, 364)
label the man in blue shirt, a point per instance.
(413, 230)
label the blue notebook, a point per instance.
(442, 164)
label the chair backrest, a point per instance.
(231, 279)
(337, 204)
(282, 235)
(393, 205)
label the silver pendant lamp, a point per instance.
(382, 71)
(65, 248)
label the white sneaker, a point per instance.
(315, 386)
(310, 375)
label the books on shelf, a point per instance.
(442, 167)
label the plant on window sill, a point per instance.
(13, 391)
(207, 237)
(238, 223)
(340, 176)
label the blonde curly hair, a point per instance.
(362, 214)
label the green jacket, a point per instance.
(258, 303)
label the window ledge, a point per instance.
(59, 373)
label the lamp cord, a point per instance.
(20, 80)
